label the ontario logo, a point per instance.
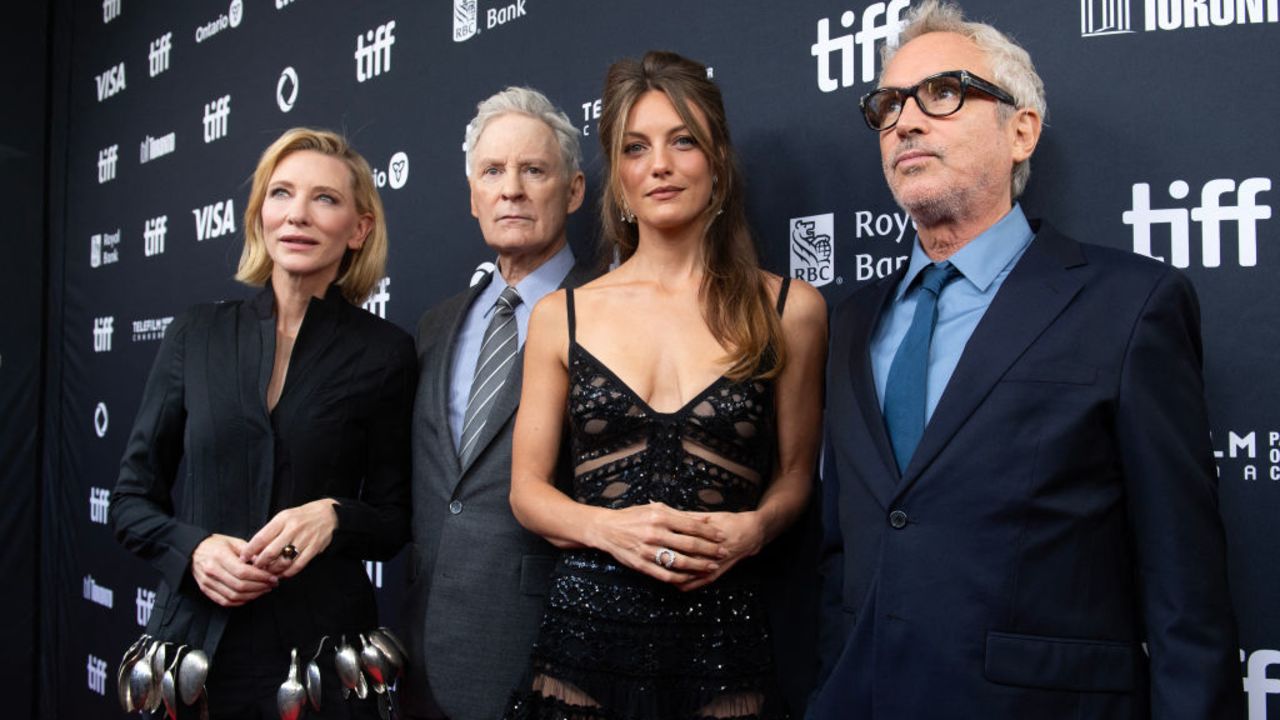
(813, 253)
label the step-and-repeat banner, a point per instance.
(1161, 139)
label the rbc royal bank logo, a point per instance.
(104, 249)
(1113, 17)
(813, 252)
(103, 329)
(378, 299)
(1210, 215)
(881, 22)
(465, 14)
(373, 51)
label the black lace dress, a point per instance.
(618, 644)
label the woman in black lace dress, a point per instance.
(693, 404)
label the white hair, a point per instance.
(1011, 66)
(531, 103)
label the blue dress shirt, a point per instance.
(537, 284)
(984, 263)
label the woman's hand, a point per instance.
(744, 536)
(308, 528)
(635, 535)
(224, 577)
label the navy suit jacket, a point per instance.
(1060, 511)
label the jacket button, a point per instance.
(897, 519)
(455, 507)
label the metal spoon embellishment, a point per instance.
(313, 677)
(374, 664)
(168, 686)
(192, 672)
(391, 654)
(348, 665)
(124, 673)
(291, 695)
(141, 680)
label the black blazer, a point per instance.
(1060, 510)
(340, 430)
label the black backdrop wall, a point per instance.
(1160, 140)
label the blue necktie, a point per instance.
(904, 394)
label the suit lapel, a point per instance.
(881, 484)
(1034, 294)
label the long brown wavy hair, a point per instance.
(735, 298)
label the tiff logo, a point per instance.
(377, 302)
(99, 502)
(97, 594)
(215, 220)
(158, 55)
(871, 32)
(812, 253)
(216, 114)
(110, 82)
(1112, 17)
(97, 674)
(1257, 682)
(107, 163)
(103, 329)
(153, 233)
(374, 58)
(1212, 212)
(145, 603)
(110, 10)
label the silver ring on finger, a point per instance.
(666, 557)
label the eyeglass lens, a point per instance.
(936, 96)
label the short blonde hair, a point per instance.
(361, 269)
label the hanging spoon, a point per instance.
(291, 695)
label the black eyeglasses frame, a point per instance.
(967, 81)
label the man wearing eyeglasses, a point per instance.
(1019, 497)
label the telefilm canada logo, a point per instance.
(150, 329)
(813, 251)
(1115, 17)
(1215, 211)
(466, 17)
(838, 57)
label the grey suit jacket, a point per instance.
(477, 579)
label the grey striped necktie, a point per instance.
(497, 355)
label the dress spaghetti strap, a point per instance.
(568, 306)
(782, 295)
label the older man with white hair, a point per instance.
(476, 577)
(1019, 497)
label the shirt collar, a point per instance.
(533, 287)
(982, 258)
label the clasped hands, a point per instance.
(231, 571)
(705, 544)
